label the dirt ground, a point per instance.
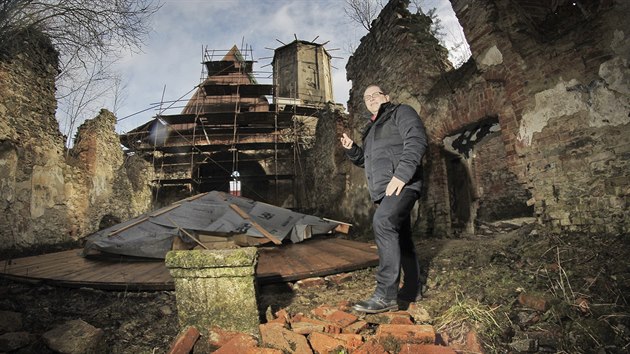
(519, 289)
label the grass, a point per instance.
(467, 315)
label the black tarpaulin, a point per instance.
(152, 234)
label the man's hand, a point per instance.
(346, 142)
(394, 187)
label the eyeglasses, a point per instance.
(372, 96)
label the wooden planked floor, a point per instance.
(319, 256)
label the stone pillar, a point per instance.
(216, 288)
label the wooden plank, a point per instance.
(246, 216)
(18, 263)
(157, 273)
(47, 263)
(81, 269)
(314, 257)
(278, 261)
(274, 262)
(325, 259)
(345, 258)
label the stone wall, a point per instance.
(49, 195)
(558, 87)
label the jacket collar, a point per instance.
(384, 111)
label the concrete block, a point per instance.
(216, 288)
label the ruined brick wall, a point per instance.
(402, 57)
(497, 186)
(565, 79)
(46, 195)
(558, 88)
(117, 187)
(324, 184)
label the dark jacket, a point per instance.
(393, 145)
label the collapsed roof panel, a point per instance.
(215, 213)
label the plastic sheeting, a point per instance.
(151, 235)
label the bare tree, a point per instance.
(363, 12)
(89, 35)
(85, 94)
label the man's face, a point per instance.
(374, 97)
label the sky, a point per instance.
(168, 67)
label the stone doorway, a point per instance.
(481, 186)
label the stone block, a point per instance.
(12, 341)
(75, 336)
(216, 288)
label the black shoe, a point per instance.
(404, 295)
(376, 305)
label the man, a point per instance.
(394, 142)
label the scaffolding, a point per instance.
(226, 124)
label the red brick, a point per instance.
(284, 339)
(308, 327)
(401, 321)
(240, 343)
(408, 348)
(331, 328)
(185, 341)
(304, 325)
(217, 336)
(473, 344)
(323, 343)
(257, 350)
(281, 318)
(407, 333)
(337, 317)
(370, 347)
(339, 278)
(310, 283)
(341, 318)
(353, 341)
(398, 317)
(344, 305)
(355, 327)
(533, 302)
(282, 313)
(323, 311)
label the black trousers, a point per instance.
(396, 251)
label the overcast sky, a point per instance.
(170, 62)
